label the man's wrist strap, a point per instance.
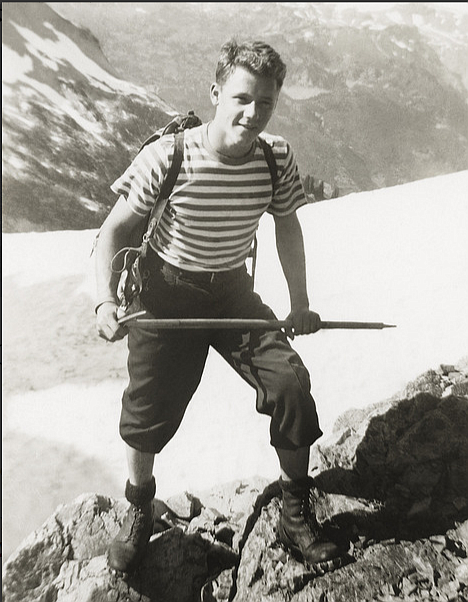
(106, 300)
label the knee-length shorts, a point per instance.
(165, 366)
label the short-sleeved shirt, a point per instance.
(217, 201)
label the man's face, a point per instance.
(244, 105)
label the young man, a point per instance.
(196, 269)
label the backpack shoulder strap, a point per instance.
(273, 167)
(270, 159)
(174, 169)
(166, 187)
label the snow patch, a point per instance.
(64, 106)
(54, 53)
(395, 17)
(14, 66)
(89, 204)
(402, 45)
(397, 255)
(303, 92)
(14, 161)
(37, 257)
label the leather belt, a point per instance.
(202, 276)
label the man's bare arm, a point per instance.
(115, 233)
(290, 245)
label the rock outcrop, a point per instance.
(65, 559)
(393, 487)
(447, 379)
(412, 455)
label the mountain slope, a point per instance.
(398, 255)
(70, 126)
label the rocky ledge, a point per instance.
(393, 485)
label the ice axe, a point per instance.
(137, 320)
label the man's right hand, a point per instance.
(107, 325)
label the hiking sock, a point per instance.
(138, 495)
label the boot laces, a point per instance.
(307, 504)
(137, 524)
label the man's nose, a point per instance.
(251, 110)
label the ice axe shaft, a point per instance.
(134, 320)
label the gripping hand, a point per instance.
(107, 325)
(302, 321)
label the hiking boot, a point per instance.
(127, 549)
(299, 530)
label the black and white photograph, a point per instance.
(235, 292)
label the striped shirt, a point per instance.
(216, 203)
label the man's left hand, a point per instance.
(302, 321)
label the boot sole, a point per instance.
(130, 570)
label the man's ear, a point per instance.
(214, 94)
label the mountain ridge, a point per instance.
(70, 125)
(368, 102)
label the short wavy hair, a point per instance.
(257, 57)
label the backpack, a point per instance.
(132, 276)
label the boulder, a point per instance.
(410, 454)
(445, 380)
